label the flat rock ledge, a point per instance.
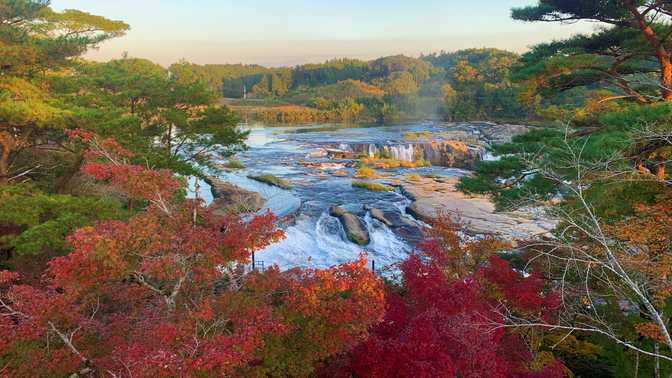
(355, 229)
(476, 213)
(230, 198)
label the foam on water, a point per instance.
(322, 243)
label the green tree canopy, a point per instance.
(166, 116)
(634, 40)
(36, 43)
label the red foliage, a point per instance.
(170, 293)
(108, 161)
(438, 327)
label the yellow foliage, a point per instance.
(365, 171)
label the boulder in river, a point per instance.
(404, 227)
(377, 214)
(399, 224)
(355, 229)
(230, 198)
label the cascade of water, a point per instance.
(402, 152)
(344, 147)
(372, 149)
(321, 243)
(385, 247)
(480, 150)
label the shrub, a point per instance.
(393, 163)
(270, 179)
(233, 163)
(365, 171)
(371, 186)
(412, 176)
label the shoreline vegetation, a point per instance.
(107, 268)
(270, 179)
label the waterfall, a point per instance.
(372, 149)
(479, 150)
(402, 152)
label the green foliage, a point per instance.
(270, 179)
(371, 186)
(397, 66)
(36, 45)
(335, 92)
(235, 164)
(290, 114)
(44, 220)
(365, 171)
(478, 85)
(400, 82)
(169, 121)
(631, 47)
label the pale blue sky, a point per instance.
(254, 31)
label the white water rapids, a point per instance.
(320, 243)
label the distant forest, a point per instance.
(463, 85)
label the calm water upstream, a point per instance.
(314, 238)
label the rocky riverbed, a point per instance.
(432, 199)
(332, 221)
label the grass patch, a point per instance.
(371, 186)
(407, 164)
(421, 163)
(233, 163)
(392, 163)
(412, 176)
(366, 171)
(270, 179)
(432, 175)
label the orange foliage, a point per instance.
(648, 238)
(457, 256)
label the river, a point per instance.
(314, 239)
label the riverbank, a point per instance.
(432, 198)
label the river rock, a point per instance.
(476, 213)
(399, 224)
(404, 227)
(499, 134)
(355, 229)
(230, 198)
(339, 173)
(452, 154)
(377, 214)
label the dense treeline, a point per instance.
(463, 85)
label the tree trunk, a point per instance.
(666, 76)
(74, 168)
(656, 359)
(636, 364)
(662, 55)
(8, 142)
